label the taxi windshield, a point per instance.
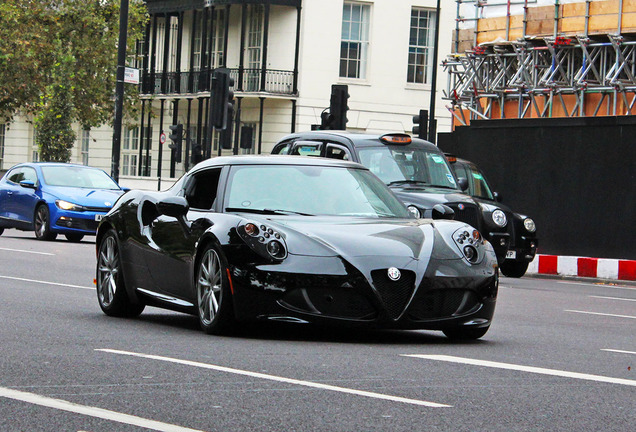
(397, 164)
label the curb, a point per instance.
(597, 268)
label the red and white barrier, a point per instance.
(601, 268)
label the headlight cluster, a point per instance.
(414, 211)
(264, 239)
(499, 218)
(529, 225)
(65, 205)
(470, 242)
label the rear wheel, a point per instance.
(111, 291)
(466, 333)
(42, 223)
(514, 269)
(214, 301)
(75, 238)
(1, 231)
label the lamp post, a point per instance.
(432, 127)
(119, 89)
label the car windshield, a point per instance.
(77, 176)
(310, 190)
(395, 164)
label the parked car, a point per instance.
(416, 170)
(292, 239)
(56, 198)
(522, 229)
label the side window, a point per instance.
(30, 175)
(16, 175)
(202, 188)
(306, 148)
(282, 148)
(337, 152)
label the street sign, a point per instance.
(162, 138)
(131, 75)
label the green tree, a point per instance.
(58, 62)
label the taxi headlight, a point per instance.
(414, 211)
(499, 218)
(529, 225)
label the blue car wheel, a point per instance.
(42, 223)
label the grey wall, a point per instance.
(576, 177)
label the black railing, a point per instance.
(245, 80)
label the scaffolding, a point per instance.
(562, 74)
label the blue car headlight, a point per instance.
(65, 205)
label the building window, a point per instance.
(2, 134)
(354, 48)
(252, 140)
(254, 47)
(130, 151)
(218, 39)
(421, 45)
(85, 142)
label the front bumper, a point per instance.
(66, 221)
(450, 294)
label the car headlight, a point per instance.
(499, 218)
(529, 225)
(65, 205)
(470, 242)
(414, 211)
(264, 240)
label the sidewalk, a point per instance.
(597, 268)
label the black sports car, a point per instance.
(293, 239)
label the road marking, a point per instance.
(530, 369)
(619, 351)
(601, 314)
(613, 298)
(26, 251)
(91, 411)
(46, 282)
(280, 379)
(598, 285)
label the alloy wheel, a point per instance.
(209, 284)
(41, 222)
(108, 269)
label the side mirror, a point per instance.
(174, 206)
(28, 184)
(125, 189)
(441, 211)
(462, 183)
(497, 196)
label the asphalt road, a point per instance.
(560, 356)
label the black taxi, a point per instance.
(415, 170)
(522, 229)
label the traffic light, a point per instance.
(176, 136)
(420, 121)
(326, 120)
(338, 106)
(221, 98)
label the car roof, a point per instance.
(275, 160)
(358, 139)
(43, 164)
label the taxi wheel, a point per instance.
(42, 223)
(513, 269)
(75, 238)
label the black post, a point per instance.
(119, 89)
(432, 128)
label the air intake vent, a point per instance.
(442, 304)
(394, 294)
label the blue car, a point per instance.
(56, 198)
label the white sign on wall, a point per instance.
(131, 76)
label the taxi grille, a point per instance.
(469, 215)
(394, 294)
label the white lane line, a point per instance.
(91, 411)
(619, 351)
(530, 369)
(26, 251)
(613, 298)
(601, 314)
(280, 379)
(45, 282)
(598, 285)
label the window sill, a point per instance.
(354, 81)
(420, 87)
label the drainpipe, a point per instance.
(620, 16)
(556, 18)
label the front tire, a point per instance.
(111, 290)
(466, 333)
(214, 297)
(75, 238)
(514, 269)
(1, 231)
(42, 224)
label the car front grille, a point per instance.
(98, 209)
(330, 302)
(442, 303)
(394, 294)
(78, 223)
(469, 215)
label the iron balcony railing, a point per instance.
(245, 80)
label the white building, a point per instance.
(284, 56)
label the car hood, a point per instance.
(402, 240)
(429, 197)
(101, 198)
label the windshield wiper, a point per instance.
(401, 182)
(266, 211)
